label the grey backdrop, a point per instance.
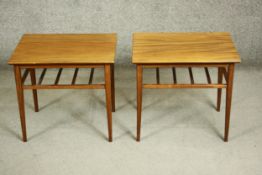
(240, 17)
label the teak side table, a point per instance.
(64, 51)
(171, 50)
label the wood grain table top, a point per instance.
(65, 49)
(205, 47)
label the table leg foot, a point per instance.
(219, 90)
(108, 100)
(20, 97)
(228, 100)
(35, 97)
(139, 99)
(113, 87)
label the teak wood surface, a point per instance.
(186, 50)
(208, 47)
(64, 51)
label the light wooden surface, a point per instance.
(211, 47)
(65, 49)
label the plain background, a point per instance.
(181, 130)
(240, 17)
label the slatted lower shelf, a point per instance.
(158, 85)
(192, 83)
(56, 84)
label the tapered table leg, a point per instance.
(108, 100)
(20, 97)
(228, 99)
(139, 78)
(219, 90)
(33, 80)
(113, 87)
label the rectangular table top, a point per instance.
(65, 49)
(204, 47)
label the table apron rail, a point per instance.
(65, 86)
(166, 86)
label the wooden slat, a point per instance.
(174, 74)
(91, 75)
(58, 76)
(224, 72)
(65, 86)
(208, 76)
(191, 75)
(25, 75)
(75, 76)
(157, 76)
(164, 86)
(42, 76)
